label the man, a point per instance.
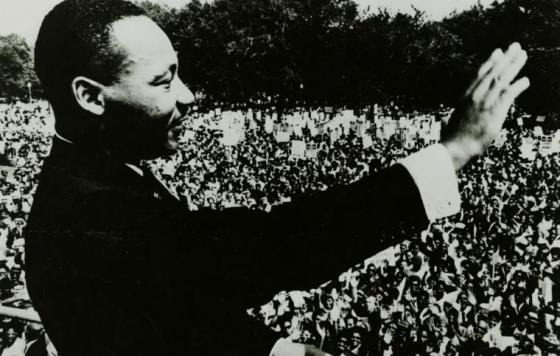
(111, 249)
(13, 346)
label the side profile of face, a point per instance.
(144, 106)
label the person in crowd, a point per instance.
(375, 285)
(13, 344)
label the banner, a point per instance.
(546, 145)
(7, 172)
(538, 131)
(348, 114)
(409, 140)
(311, 150)
(298, 149)
(283, 132)
(527, 148)
(231, 138)
(358, 128)
(282, 137)
(389, 129)
(367, 141)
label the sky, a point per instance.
(24, 16)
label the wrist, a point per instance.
(462, 151)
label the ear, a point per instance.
(89, 95)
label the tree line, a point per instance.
(330, 52)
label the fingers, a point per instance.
(493, 79)
(511, 71)
(478, 120)
(510, 94)
(486, 67)
(494, 58)
(504, 78)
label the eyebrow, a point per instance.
(172, 68)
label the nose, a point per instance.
(184, 95)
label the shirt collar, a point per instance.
(135, 169)
(131, 166)
(62, 138)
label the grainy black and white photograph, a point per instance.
(279, 177)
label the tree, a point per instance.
(16, 67)
(324, 51)
(533, 23)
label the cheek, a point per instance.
(154, 102)
(162, 102)
(163, 109)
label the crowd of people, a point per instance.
(484, 282)
(25, 140)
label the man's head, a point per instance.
(10, 335)
(328, 302)
(342, 343)
(424, 336)
(493, 318)
(110, 74)
(480, 329)
(355, 339)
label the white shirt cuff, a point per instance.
(284, 347)
(274, 350)
(432, 171)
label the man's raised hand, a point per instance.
(478, 119)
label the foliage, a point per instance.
(16, 68)
(326, 51)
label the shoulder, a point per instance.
(68, 192)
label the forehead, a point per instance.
(144, 43)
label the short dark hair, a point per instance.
(74, 40)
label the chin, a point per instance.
(157, 152)
(166, 147)
(170, 148)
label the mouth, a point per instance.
(177, 124)
(175, 128)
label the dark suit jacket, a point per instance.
(115, 266)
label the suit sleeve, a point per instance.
(306, 242)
